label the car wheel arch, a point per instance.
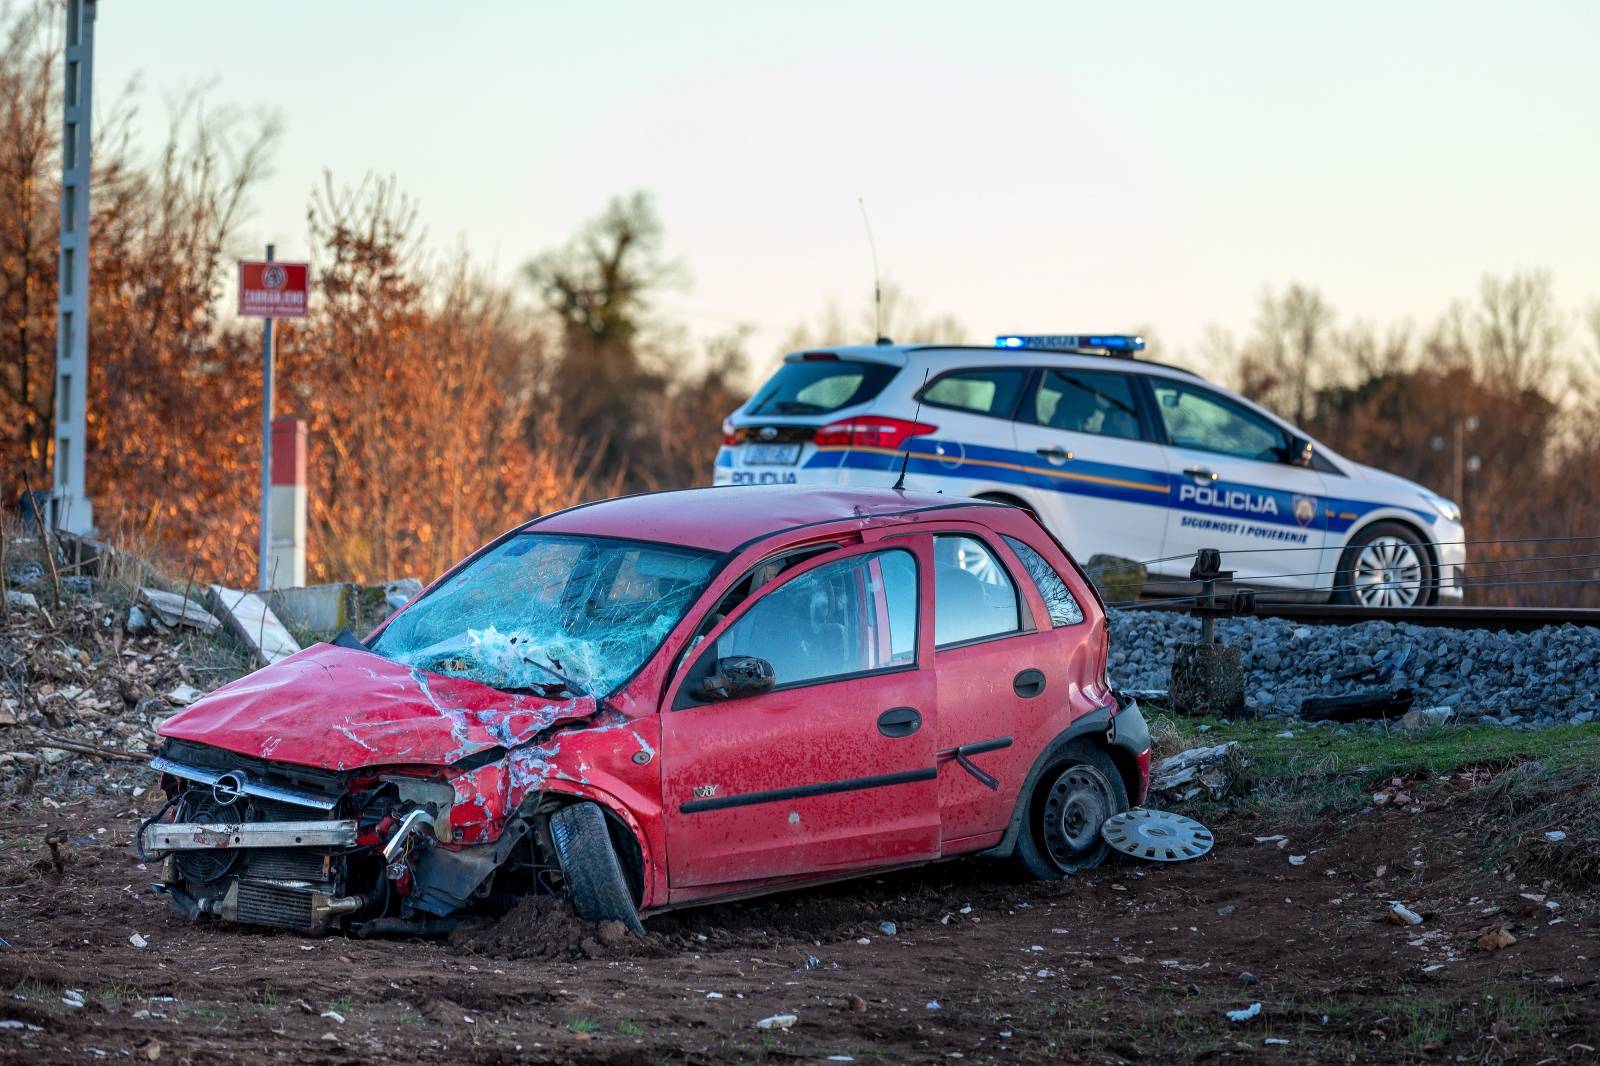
(627, 836)
(1007, 498)
(1090, 727)
(1396, 518)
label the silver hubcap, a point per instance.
(1388, 573)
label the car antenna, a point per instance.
(905, 456)
(877, 285)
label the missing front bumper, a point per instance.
(197, 836)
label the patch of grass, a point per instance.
(117, 994)
(1319, 769)
(264, 998)
(583, 1025)
(628, 1028)
(342, 1004)
(1535, 798)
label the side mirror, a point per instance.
(738, 675)
(1299, 451)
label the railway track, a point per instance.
(1510, 619)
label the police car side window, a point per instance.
(991, 391)
(1086, 401)
(1208, 423)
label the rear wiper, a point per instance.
(797, 407)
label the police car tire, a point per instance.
(1344, 581)
(589, 863)
(1032, 852)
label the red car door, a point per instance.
(833, 769)
(1004, 686)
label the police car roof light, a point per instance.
(1110, 342)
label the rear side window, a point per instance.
(816, 387)
(973, 597)
(1086, 401)
(991, 391)
(1058, 599)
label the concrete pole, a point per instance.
(264, 576)
(69, 494)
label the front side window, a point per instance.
(1086, 401)
(974, 598)
(1204, 421)
(991, 391)
(817, 387)
(549, 613)
(848, 617)
(1058, 599)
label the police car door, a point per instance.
(1098, 477)
(1236, 486)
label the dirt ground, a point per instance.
(1133, 963)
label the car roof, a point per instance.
(730, 516)
(983, 355)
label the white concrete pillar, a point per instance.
(286, 505)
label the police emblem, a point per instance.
(1305, 509)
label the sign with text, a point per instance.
(270, 289)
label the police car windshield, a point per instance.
(817, 387)
(557, 615)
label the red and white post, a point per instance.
(286, 505)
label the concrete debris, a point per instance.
(184, 695)
(1211, 772)
(1246, 1014)
(138, 622)
(252, 622)
(778, 1021)
(1400, 914)
(21, 601)
(173, 609)
(399, 593)
(1426, 718)
(316, 608)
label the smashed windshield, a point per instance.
(551, 614)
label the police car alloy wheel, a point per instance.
(1385, 566)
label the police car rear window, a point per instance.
(820, 386)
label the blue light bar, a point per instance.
(1111, 342)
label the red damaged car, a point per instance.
(664, 700)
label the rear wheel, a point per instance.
(589, 863)
(1385, 565)
(1075, 796)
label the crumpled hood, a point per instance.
(340, 708)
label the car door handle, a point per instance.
(899, 722)
(1055, 454)
(1200, 473)
(1029, 683)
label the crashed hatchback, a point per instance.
(664, 700)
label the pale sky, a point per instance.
(1044, 167)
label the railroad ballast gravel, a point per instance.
(1548, 676)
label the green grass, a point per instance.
(1318, 769)
(627, 1028)
(583, 1025)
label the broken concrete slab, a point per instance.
(401, 592)
(21, 601)
(1211, 772)
(1426, 717)
(253, 623)
(172, 610)
(316, 608)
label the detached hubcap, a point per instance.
(1388, 573)
(1077, 805)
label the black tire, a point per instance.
(1077, 792)
(595, 881)
(1353, 581)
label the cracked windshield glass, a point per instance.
(553, 615)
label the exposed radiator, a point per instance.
(266, 904)
(286, 864)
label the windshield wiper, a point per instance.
(570, 685)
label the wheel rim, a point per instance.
(1076, 806)
(1388, 573)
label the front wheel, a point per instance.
(1385, 565)
(1076, 794)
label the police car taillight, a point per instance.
(870, 431)
(730, 434)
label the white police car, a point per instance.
(1118, 456)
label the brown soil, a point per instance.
(1133, 963)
